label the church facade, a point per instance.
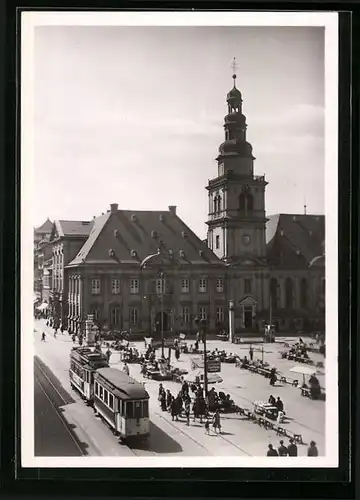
(275, 265)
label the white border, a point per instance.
(29, 20)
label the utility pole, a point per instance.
(201, 324)
(162, 314)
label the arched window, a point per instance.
(304, 293)
(274, 293)
(249, 202)
(289, 293)
(242, 198)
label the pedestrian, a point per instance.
(108, 355)
(207, 427)
(279, 404)
(271, 452)
(43, 337)
(168, 399)
(55, 333)
(185, 389)
(272, 400)
(292, 449)
(282, 450)
(312, 450)
(47, 323)
(174, 409)
(216, 421)
(163, 401)
(273, 377)
(73, 338)
(251, 353)
(177, 354)
(187, 411)
(126, 368)
(161, 390)
(62, 329)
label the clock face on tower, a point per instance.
(246, 239)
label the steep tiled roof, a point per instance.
(294, 239)
(73, 227)
(44, 228)
(128, 236)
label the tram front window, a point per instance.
(138, 409)
(145, 409)
(129, 409)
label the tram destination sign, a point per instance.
(213, 366)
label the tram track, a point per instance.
(54, 406)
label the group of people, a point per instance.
(280, 415)
(291, 450)
(183, 403)
(220, 401)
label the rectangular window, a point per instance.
(203, 312)
(134, 316)
(146, 409)
(220, 314)
(96, 388)
(134, 285)
(129, 409)
(247, 285)
(101, 392)
(217, 241)
(160, 286)
(115, 286)
(185, 285)
(111, 401)
(106, 394)
(95, 286)
(185, 316)
(203, 285)
(220, 285)
(115, 316)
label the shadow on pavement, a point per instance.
(159, 442)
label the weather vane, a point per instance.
(234, 68)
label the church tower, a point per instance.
(236, 220)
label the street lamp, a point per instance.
(201, 323)
(144, 264)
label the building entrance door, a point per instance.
(248, 317)
(165, 322)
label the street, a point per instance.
(240, 437)
(54, 436)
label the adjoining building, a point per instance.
(66, 238)
(41, 255)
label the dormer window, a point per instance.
(182, 253)
(133, 253)
(184, 234)
(154, 234)
(133, 218)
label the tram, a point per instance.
(84, 362)
(122, 402)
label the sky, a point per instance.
(134, 116)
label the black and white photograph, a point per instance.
(179, 240)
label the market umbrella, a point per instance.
(213, 378)
(304, 369)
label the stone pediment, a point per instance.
(248, 301)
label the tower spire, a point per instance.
(234, 68)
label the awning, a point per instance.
(43, 306)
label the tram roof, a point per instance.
(127, 387)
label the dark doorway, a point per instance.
(165, 322)
(248, 317)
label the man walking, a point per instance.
(251, 353)
(43, 337)
(126, 369)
